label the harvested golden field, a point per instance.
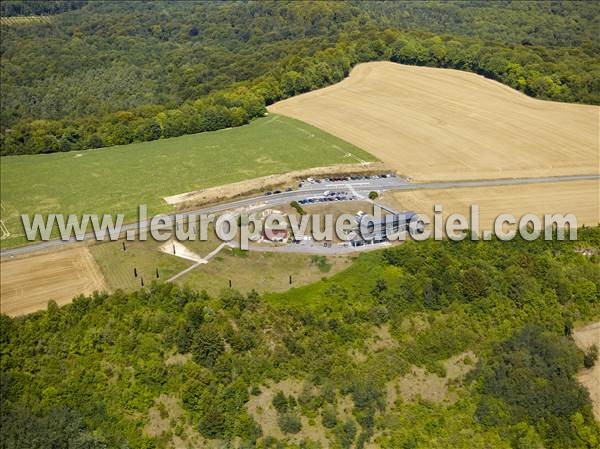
(25, 20)
(442, 124)
(581, 198)
(28, 283)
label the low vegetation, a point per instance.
(297, 207)
(92, 372)
(118, 179)
(322, 263)
(247, 270)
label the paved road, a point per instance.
(361, 188)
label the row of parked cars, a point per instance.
(289, 189)
(329, 196)
(335, 179)
(346, 178)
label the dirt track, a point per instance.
(28, 283)
(441, 124)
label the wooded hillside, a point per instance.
(112, 73)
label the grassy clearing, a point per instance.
(117, 265)
(118, 179)
(357, 277)
(247, 269)
(261, 271)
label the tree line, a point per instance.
(10, 8)
(224, 76)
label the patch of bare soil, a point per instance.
(261, 409)
(178, 359)
(161, 414)
(415, 324)
(382, 339)
(590, 378)
(165, 417)
(418, 383)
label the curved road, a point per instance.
(359, 187)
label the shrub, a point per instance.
(280, 402)
(289, 423)
(298, 208)
(591, 356)
(207, 346)
(329, 417)
(346, 433)
(322, 263)
(213, 423)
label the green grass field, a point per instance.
(117, 179)
(246, 269)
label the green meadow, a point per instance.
(117, 179)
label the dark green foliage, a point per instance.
(346, 433)
(591, 356)
(9, 8)
(298, 208)
(194, 314)
(329, 417)
(322, 263)
(241, 340)
(366, 395)
(232, 299)
(380, 288)
(207, 346)
(474, 284)
(58, 428)
(93, 90)
(280, 402)
(289, 422)
(103, 361)
(212, 424)
(373, 195)
(182, 337)
(531, 378)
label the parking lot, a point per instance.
(342, 188)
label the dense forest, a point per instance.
(24, 8)
(111, 73)
(96, 373)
